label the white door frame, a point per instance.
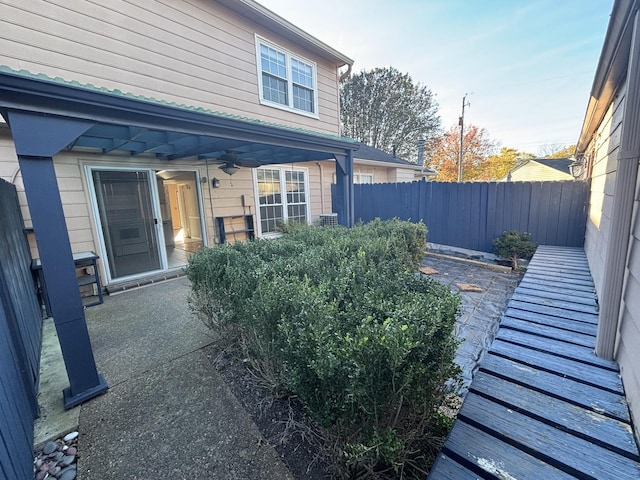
(155, 205)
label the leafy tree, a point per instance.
(384, 108)
(565, 152)
(498, 166)
(477, 147)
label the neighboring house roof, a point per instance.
(541, 169)
(275, 23)
(367, 153)
(560, 164)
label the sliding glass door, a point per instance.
(129, 224)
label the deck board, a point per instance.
(563, 415)
(587, 396)
(542, 405)
(479, 450)
(555, 311)
(565, 367)
(556, 447)
(540, 286)
(572, 296)
(554, 346)
(553, 321)
(529, 296)
(570, 336)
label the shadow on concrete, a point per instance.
(168, 413)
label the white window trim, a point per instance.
(288, 55)
(283, 189)
(357, 178)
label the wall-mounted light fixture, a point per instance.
(215, 183)
(577, 168)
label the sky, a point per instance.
(527, 66)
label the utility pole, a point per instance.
(461, 123)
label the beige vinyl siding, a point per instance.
(194, 52)
(628, 340)
(404, 175)
(380, 174)
(536, 172)
(322, 203)
(604, 151)
(72, 181)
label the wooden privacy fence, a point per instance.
(20, 341)
(471, 215)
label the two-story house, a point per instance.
(145, 129)
(166, 126)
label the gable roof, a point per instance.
(560, 164)
(375, 155)
(540, 169)
(365, 152)
(274, 22)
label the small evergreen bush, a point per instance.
(340, 318)
(513, 245)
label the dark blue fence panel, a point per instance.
(20, 341)
(471, 215)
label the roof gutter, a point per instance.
(18, 92)
(264, 16)
(346, 73)
(623, 202)
(611, 70)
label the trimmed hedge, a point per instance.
(340, 318)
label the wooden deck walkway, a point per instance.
(542, 405)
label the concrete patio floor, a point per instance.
(168, 412)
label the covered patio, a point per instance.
(49, 116)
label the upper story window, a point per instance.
(286, 80)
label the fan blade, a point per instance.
(248, 162)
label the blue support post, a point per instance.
(344, 186)
(37, 139)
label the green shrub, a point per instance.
(513, 245)
(339, 318)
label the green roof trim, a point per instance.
(116, 92)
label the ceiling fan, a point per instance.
(231, 162)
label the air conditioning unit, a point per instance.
(328, 219)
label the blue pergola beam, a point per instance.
(37, 139)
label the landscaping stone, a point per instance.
(57, 459)
(68, 473)
(468, 287)
(70, 436)
(50, 447)
(428, 271)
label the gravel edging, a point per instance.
(57, 458)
